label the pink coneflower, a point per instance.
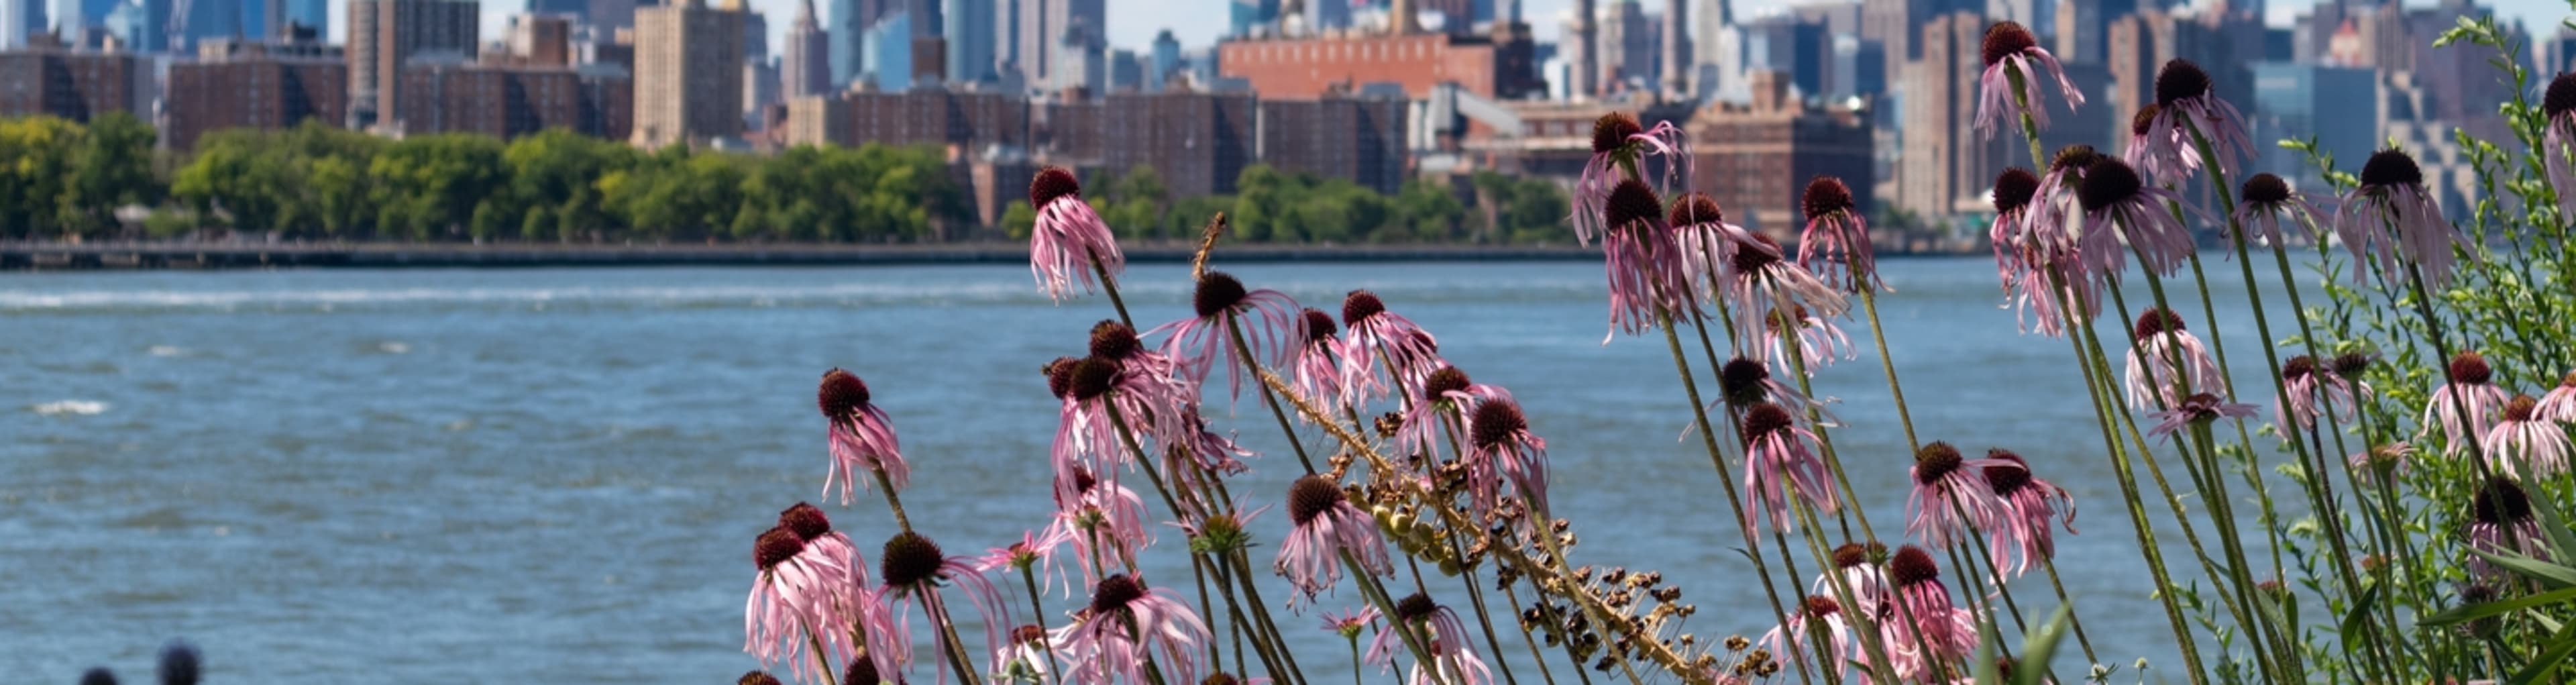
(1708, 242)
(1779, 467)
(1819, 341)
(1101, 512)
(1859, 566)
(862, 438)
(2311, 389)
(2185, 104)
(803, 595)
(1818, 622)
(2117, 201)
(2558, 102)
(1835, 244)
(2262, 203)
(1023, 659)
(1324, 525)
(1317, 370)
(2500, 522)
(2198, 409)
(2391, 216)
(1442, 633)
(2011, 83)
(1763, 282)
(1267, 319)
(2026, 251)
(1034, 552)
(2153, 148)
(2168, 363)
(2023, 537)
(914, 569)
(1742, 382)
(1443, 391)
(1087, 438)
(2559, 404)
(1950, 496)
(1923, 628)
(1069, 240)
(2465, 406)
(1377, 335)
(1502, 450)
(1125, 625)
(1348, 624)
(1648, 277)
(1199, 455)
(2383, 463)
(2525, 445)
(1149, 380)
(1620, 147)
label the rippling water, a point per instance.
(555, 475)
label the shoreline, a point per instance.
(51, 256)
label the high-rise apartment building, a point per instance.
(688, 74)
(383, 34)
(807, 69)
(540, 39)
(73, 85)
(267, 85)
(1044, 24)
(2084, 26)
(1947, 164)
(1755, 159)
(2140, 44)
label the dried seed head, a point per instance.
(775, 546)
(2005, 39)
(909, 558)
(1319, 327)
(1631, 201)
(1497, 421)
(2471, 368)
(1114, 341)
(2265, 189)
(1912, 566)
(1415, 607)
(2298, 367)
(1611, 131)
(1359, 306)
(806, 521)
(1051, 183)
(2521, 408)
(2391, 167)
(2178, 80)
(2352, 364)
(1439, 384)
(1114, 592)
(1696, 208)
(2107, 182)
(1740, 380)
(1059, 375)
(2144, 120)
(1937, 460)
(1764, 418)
(2501, 502)
(2014, 188)
(1826, 195)
(756, 678)
(841, 395)
(1312, 496)
(2156, 321)
(2560, 98)
(1217, 292)
(2074, 157)
(1092, 377)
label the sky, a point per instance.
(1133, 23)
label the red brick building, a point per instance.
(508, 102)
(1359, 139)
(1756, 159)
(254, 89)
(1500, 66)
(72, 85)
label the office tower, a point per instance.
(18, 18)
(888, 62)
(609, 15)
(2084, 25)
(808, 67)
(1587, 53)
(68, 19)
(1677, 49)
(1946, 163)
(1044, 25)
(755, 32)
(1081, 61)
(688, 74)
(383, 34)
(848, 25)
(1164, 62)
(2335, 105)
(968, 32)
(1798, 50)
(1243, 16)
(540, 39)
(313, 13)
(576, 8)
(1629, 38)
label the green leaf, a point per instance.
(2496, 608)
(2041, 647)
(2550, 575)
(2560, 538)
(2560, 645)
(2358, 618)
(1989, 672)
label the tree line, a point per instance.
(64, 180)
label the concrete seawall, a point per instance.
(64, 256)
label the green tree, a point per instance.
(111, 168)
(36, 156)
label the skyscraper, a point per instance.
(688, 74)
(848, 24)
(888, 63)
(1044, 25)
(579, 9)
(2084, 25)
(383, 34)
(808, 67)
(69, 19)
(968, 28)
(1946, 163)
(1164, 62)
(152, 31)
(19, 18)
(1244, 15)
(313, 13)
